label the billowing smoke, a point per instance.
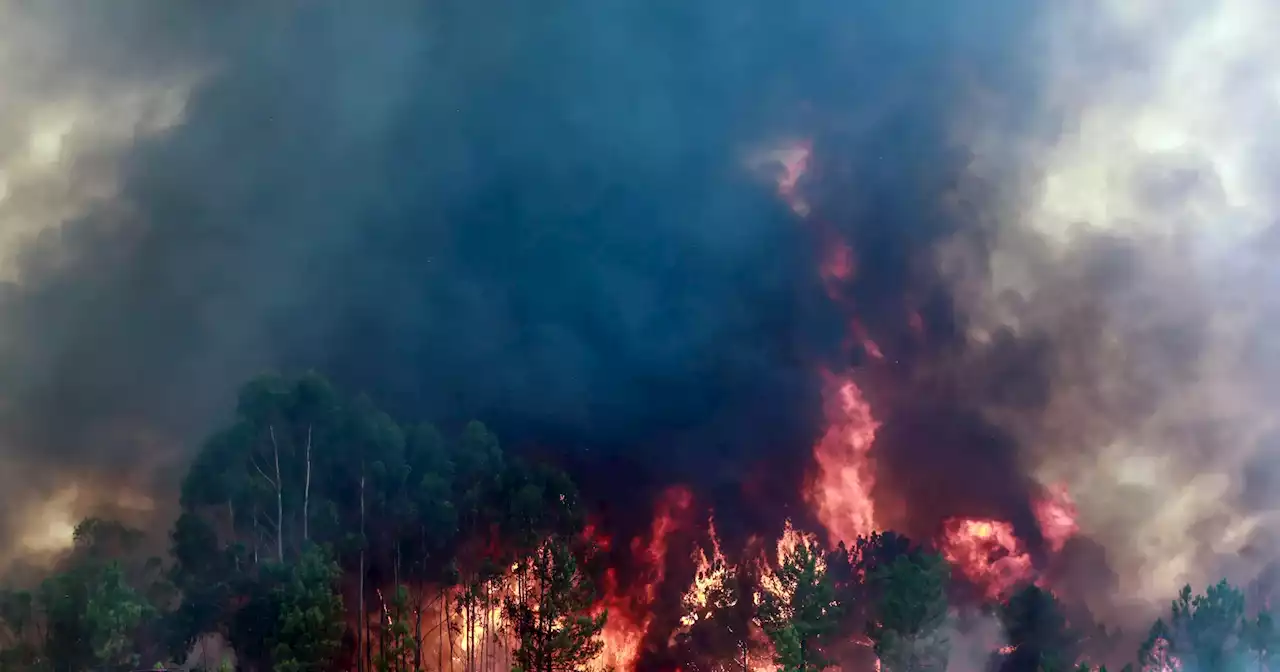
(557, 220)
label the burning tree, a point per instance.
(551, 612)
(797, 607)
(454, 556)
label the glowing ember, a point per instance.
(987, 553)
(841, 489)
(1056, 514)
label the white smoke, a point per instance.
(1142, 250)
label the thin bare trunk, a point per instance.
(279, 500)
(449, 622)
(278, 486)
(257, 536)
(417, 632)
(306, 492)
(231, 529)
(362, 635)
(484, 625)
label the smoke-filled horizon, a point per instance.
(558, 221)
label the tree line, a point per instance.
(316, 533)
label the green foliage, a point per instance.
(800, 610)
(309, 609)
(92, 618)
(113, 613)
(1206, 628)
(19, 624)
(1039, 632)
(910, 632)
(1261, 638)
(302, 468)
(553, 623)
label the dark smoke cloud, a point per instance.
(543, 220)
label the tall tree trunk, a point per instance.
(231, 529)
(279, 486)
(417, 633)
(453, 656)
(257, 535)
(362, 640)
(306, 493)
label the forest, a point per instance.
(317, 533)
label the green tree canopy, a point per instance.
(909, 631)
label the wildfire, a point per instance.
(790, 540)
(987, 553)
(838, 491)
(630, 613)
(708, 580)
(841, 490)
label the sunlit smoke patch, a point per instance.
(50, 527)
(66, 122)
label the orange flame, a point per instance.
(841, 489)
(710, 576)
(630, 614)
(987, 552)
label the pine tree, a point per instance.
(1262, 638)
(798, 608)
(1039, 634)
(551, 614)
(1205, 629)
(909, 630)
